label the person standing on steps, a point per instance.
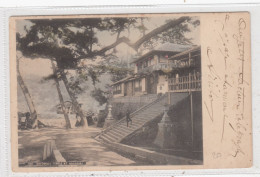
(128, 119)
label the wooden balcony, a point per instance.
(152, 68)
(185, 84)
(138, 89)
(117, 92)
(182, 64)
(168, 66)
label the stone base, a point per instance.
(108, 122)
(165, 137)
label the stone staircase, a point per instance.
(118, 131)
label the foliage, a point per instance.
(70, 41)
(100, 96)
(173, 35)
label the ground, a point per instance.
(75, 144)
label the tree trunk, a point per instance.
(68, 125)
(74, 101)
(27, 96)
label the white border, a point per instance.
(64, 3)
(5, 150)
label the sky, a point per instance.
(44, 94)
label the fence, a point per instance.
(138, 89)
(185, 83)
(117, 92)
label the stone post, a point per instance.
(165, 138)
(109, 119)
(109, 115)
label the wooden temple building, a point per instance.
(170, 68)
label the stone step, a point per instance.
(155, 108)
(131, 126)
(114, 136)
(125, 133)
(133, 122)
(140, 121)
(122, 135)
(143, 121)
(104, 138)
(120, 131)
(146, 118)
(149, 113)
(145, 115)
(126, 129)
(111, 139)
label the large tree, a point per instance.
(68, 42)
(27, 95)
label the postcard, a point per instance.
(130, 92)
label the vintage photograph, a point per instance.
(109, 91)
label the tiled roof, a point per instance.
(166, 47)
(122, 80)
(170, 47)
(186, 52)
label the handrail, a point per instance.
(132, 114)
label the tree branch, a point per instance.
(159, 30)
(139, 42)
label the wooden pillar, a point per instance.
(169, 98)
(192, 121)
(189, 58)
(191, 104)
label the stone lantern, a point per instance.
(109, 119)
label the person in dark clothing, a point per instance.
(128, 119)
(77, 120)
(28, 120)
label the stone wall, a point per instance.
(144, 136)
(136, 99)
(120, 105)
(180, 115)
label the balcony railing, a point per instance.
(185, 83)
(182, 64)
(159, 66)
(117, 92)
(153, 68)
(138, 89)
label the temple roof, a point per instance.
(196, 48)
(166, 47)
(122, 80)
(170, 47)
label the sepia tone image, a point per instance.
(130, 92)
(85, 101)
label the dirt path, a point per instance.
(74, 145)
(80, 146)
(31, 143)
